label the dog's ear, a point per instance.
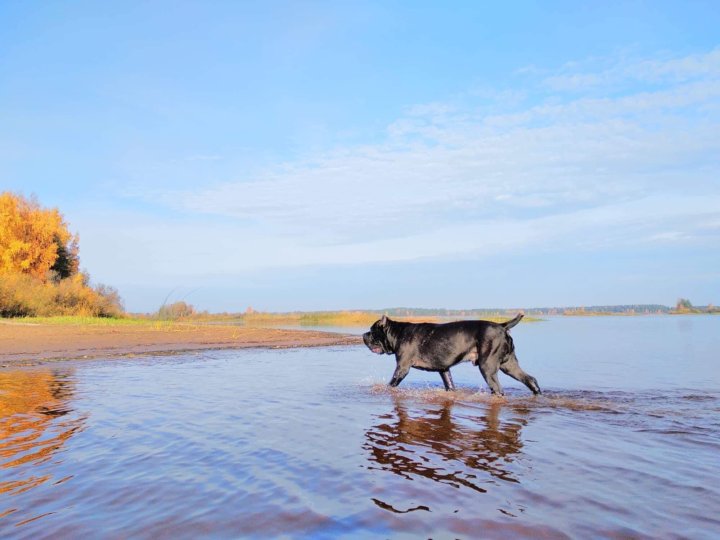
(384, 320)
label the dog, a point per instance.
(438, 347)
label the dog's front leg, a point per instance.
(401, 371)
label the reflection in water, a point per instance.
(33, 405)
(216, 444)
(459, 451)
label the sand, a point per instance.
(33, 344)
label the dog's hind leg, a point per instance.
(447, 380)
(489, 373)
(512, 367)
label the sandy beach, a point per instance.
(32, 344)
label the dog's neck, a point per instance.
(392, 331)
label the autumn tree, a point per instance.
(177, 310)
(39, 261)
(35, 241)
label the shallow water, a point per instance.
(311, 443)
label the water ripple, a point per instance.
(297, 443)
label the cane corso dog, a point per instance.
(438, 347)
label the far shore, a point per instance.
(34, 343)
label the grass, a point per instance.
(77, 320)
(22, 295)
(347, 318)
(316, 318)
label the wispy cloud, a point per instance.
(576, 77)
(192, 248)
(566, 169)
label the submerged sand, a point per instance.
(32, 343)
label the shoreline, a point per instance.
(23, 344)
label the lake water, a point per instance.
(310, 443)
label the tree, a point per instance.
(67, 262)
(39, 262)
(177, 310)
(34, 240)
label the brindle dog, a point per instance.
(438, 347)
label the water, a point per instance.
(310, 442)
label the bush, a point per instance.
(22, 295)
(177, 310)
(39, 266)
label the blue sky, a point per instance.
(330, 155)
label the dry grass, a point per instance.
(346, 318)
(24, 296)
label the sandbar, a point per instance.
(26, 344)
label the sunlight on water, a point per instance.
(312, 443)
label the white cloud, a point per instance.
(454, 179)
(181, 249)
(625, 71)
(669, 236)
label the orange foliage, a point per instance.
(39, 266)
(32, 238)
(24, 296)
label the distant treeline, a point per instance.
(354, 318)
(683, 306)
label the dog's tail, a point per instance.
(509, 324)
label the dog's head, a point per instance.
(378, 339)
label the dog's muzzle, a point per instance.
(371, 344)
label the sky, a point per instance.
(364, 155)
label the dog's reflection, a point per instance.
(471, 449)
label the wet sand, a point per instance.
(31, 344)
